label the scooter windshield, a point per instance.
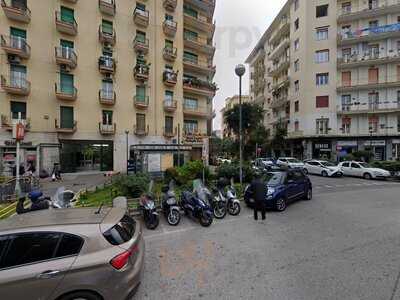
(200, 190)
(63, 198)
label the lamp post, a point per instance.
(127, 151)
(240, 70)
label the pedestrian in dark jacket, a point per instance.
(259, 190)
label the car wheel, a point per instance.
(305, 171)
(308, 195)
(81, 296)
(324, 174)
(340, 174)
(367, 176)
(280, 204)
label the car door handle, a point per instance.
(49, 274)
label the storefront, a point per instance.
(345, 148)
(377, 147)
(322, 150)
(8, 152)
(396, 149)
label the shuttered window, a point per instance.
(322, 101)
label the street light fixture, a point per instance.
(240, 70)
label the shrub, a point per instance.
(233, 171)
(171, 174)
(134, 185)
(391, 166)
(187, 173)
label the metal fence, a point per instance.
(7, 189)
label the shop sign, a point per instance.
(322, 146)
(156, 148)
(14, 144)
(375, 143)
(347, 143)
(395, 141)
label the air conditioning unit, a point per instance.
(14, 59)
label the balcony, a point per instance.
(16, 85)
(170, 105)
(107, 65)
(280, 49)
(107, 129)
(170, 5)
(15, 45)
(141, 17)
(107, 97)
(170, 28)
(202, 23)
(141, 102)
(205, 5)
(7, 122)
(194, 137)
(141, 72)
(365, 108)
(141, 45)
(170, 54)
(279, 101)
(368, 59)
(107, 38)
(141, 130)
(66, 93)
(16, 12)
(369, 34)
(377, 9)
(199, 44)
(199, 87)
(203, 67)
(281, 83)
(65, 128)
(66, 27)
(197, 112)
(107, 7)
(365, 84)
(277, 69)
(170, 78)
(282, 29)
(169, 132)
(66, 57)
(71, 1)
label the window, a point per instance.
(67, 15)
(18, 108)
(107, 117)
(67, 83)
(169, 124)
(346, 78)
(322, 11)
(70, 245)
(346, 102)
(346, 7)
(373, 24)
(373, 75)
(190, 35)
(190, 57)
(322, 56)
(346, 165)
(169, 44)
(296, 86)
(190, 126)
(372, 4)
(140, 93)
(18, 76)
(169, 98)
(141, 122)
(140, 6)
(107, 89)
(3, 244)
(296, 106)
(346, 125)
(355, 166)
(322, 101)
(322, 126)
(296, 24)
(296, 126)
(322, 33)
(296, 65)
(169, 17)
(107, 27)
(190, 11)
(373, 124)
(191, 103)
(296, 5)
(30, 248)
(398, 123)
(322, 79)
(373, 100)
(67, 117)
(296, 45)
(122, 232)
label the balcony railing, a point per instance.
(194, 136)
(170, 5)
(199, 111)
(15, 11)
(15, 45)
(8, 122)
(141, 72)
(202, 66)
(170, 77)
(107, 7)
(199, 86)
(107, 65)
(199, 43)
(367, 107)
(282, 29)
(367, 34)
(66, 56)
(368, 58)
(170, 105)
(279, 67)
(169, 132)
(67, 27)
(170, 54)
(141, 130)
(66, 93)
(370, 9)
(66, 128)
(16, 85)
(279, 48)
(202, 23)
(107, 97)
(368, 83)
(141, 102)
(281, 82)
(107, 129)
(141, 17)
(141, 45)
(107, 37)
(170, 27)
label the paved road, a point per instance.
(344, 244)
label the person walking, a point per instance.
(259, 190)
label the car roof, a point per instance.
(54, 218)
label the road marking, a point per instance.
(328, 186)
(340, 185)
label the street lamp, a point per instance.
(127, 151)
(240, 70)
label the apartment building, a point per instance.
(230, 102)
(98, 82)
(335, 77)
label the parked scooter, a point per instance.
(170, 206)
(148, 208)
(196, 204)
(232, 199)
(218, 201)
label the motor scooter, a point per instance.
(170, 205)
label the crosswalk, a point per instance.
(364, 184)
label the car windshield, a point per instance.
(328, 164)
(273, 178)
(364, 165)
(293, 160)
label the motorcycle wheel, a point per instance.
(205, 220)
(219, 210)
(173, 218)
(152, 224)
(234, 208)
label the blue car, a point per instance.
(284, 187)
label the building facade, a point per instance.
(230, 102)
(100, 82)
(335, 72)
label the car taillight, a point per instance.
(121, 260)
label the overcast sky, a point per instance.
(240, 24)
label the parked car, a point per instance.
(284, 187)
(66, 254)
(323, 168)
(362, 169)
(221, 160)
(290, 162)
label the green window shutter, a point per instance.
(169, 124)
(18, 32)
(67, 83)
(18, 107)
(169, 44)
(67, 117)
(141, 121)
(190, 56)
(67, 15)
(67, 44)
(107, 117)
(107, 27)
(141, 93)
(190, 11)
(141, 36)
(190, 35)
